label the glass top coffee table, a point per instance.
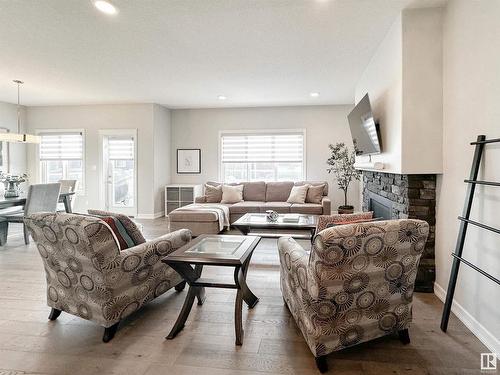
(252, 222)
(214, 250)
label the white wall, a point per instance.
(404, 82)
(17, 151)
(92, 118)
(199, 128)
(471, 93)
(161, 140)
(422, 115)
(382, 80)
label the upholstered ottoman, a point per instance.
(197, 221)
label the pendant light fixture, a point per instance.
(19, 137)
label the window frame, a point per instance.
(82, 186)
(237, 132)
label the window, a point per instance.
(273, 156)
(61, 157)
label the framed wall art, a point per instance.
(188, 160)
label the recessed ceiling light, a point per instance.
(314, 94)
(105, 7)
(222, 97)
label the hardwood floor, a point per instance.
(31, 344)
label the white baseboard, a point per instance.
(156, 215)
(485, 336)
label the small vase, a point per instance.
(12, 189)
(345, 209)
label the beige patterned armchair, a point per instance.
(355, 285)
(88, 276)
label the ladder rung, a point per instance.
(495, 140)
(476, 268)
(480, 225)
(490, 183)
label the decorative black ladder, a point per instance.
(464, 222)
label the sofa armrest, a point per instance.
(327, 206)
(201, 199)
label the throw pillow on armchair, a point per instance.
(326, 221)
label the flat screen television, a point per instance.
(364, 130)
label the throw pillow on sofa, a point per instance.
(315, 194)
(213, 193)
(232, 193)
(298, 194)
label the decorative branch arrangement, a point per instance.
(341, 162)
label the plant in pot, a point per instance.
(341, 162)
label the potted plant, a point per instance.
(341, 162)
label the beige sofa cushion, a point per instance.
(192, 216)
(280, 207)
(232, 194)
(245, 207)
(278, 191)
(306, 208)
(298, 194)
(213, 193)
(254, 191)
(314, 183)
(315, 194)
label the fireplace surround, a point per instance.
(405, 196)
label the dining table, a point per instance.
(64, 198)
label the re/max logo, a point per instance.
(488, 361)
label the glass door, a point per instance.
(119, 172)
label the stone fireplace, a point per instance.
(403, 196)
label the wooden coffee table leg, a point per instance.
(201, 295)
(201, 290)
(183, 315)
(240, 278)
(238, 319)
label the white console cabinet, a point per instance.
(179, 195)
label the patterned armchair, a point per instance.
(355, 285)
(88, 276)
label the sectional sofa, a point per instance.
(258, 197)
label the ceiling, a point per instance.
(184, 53)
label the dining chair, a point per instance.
(40, 198)
(67, 186)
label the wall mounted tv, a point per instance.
(364, 130)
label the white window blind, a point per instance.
(61, 157)
(266, 156)
(61, 146)
(121, 148)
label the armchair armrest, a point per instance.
(292, 256)
(327, 206)
(201, 199)
(144, 260)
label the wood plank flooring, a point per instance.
(30, 344)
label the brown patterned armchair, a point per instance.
(355, 285)
(88, 276)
